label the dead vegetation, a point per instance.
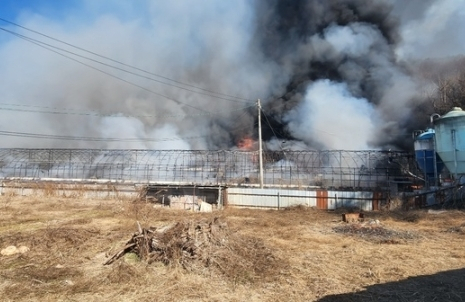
(297, 254)
(196, 245)
(373, 231)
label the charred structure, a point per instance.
(353, 170)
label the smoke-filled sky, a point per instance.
(330, 74)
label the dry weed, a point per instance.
(197, 245)
(122, 273)
(41, 282)
(48, 189)
(288, 255)
(10, 193)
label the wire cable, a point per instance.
(64, 111)
(210, 92)
(94, 139)
(272, 130)
(104, 72)
(112, 66)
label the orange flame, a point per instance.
(246, 144)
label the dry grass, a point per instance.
(297, 254)
(204, 247)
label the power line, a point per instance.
(64, 111)
(210, 92)
(55, 111)
(111, 66)
(272, 130)
(102, 71)
(269, 124)
(94, 139)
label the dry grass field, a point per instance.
(297, 254)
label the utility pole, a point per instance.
(260, 151)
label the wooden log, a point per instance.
(118, 255)
(352, 217)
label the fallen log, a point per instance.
(120, 253)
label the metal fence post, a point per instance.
(278, 201)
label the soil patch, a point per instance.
(375, 232)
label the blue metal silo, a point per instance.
(425, 155)
(450, 140)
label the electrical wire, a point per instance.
(111, 66)
(94, 139)
(272, 130)
(50, 110)
(269, 124)
(64, 111)
(104, 72)
(211, 93)
(60, 51)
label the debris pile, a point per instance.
(373, 231)
(181, 242)
(202, 243)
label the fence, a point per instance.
(321, 199)
(338, 169)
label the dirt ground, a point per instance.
(298, 254)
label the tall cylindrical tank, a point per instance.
(425, 155)
(450, 140)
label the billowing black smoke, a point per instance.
(296, 35)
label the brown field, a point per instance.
(297, 254)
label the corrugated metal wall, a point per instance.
(270, 198)
(322, 199)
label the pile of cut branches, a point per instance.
(181, 242)
(203, 243)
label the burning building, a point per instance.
(335, 93)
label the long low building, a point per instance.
(184, 179)
(191, 197)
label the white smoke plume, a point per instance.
(333, 118)
(431, 28)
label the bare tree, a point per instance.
(447, 81)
